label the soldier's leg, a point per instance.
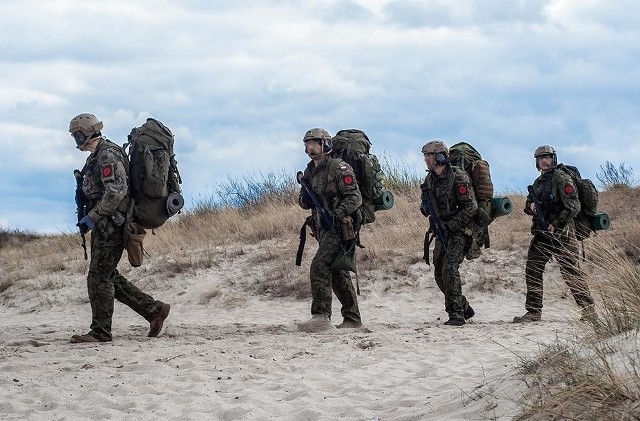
(104, 260)
(346, 294)
(320, 274)
(573, 275)
(130, 295)
(438, 270)
(537, 257)
(457, 303)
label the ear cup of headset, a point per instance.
(327, 145)
(441, 159)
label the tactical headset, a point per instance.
(441, 159)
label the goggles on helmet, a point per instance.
(80, 138)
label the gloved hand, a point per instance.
(86, 224)
(424, 188)
(423, 211)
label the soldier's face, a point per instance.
(311, 147)
(545, 162)
(430, 160)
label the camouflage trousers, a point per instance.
(447, 274)
(324, 280)
(105, 283)
(565, 249)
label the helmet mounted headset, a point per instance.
(322, 137)
(545, 150)
(439, 149)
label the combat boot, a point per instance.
(317, 323)
(454, 321)
(469, 313)
(349, 324)
(530, 316)
(155, 325)
(84, 339)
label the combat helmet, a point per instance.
(321, 136)
(545, 150)
(438, 148)
(83, 127)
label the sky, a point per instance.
(240, 82)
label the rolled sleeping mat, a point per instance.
(175, 203)
(384, 201)
(501, 206)
(600, 221)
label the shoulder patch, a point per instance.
(569, 189)
(462, 190)
(107, 171)
(348, 180)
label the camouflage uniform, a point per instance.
(558, 196)
(106, 191)
(334, 184)
(453, 199)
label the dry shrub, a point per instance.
(596, 373)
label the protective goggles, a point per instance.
(80, 139)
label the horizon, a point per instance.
(239, 84)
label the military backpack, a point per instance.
(154, 179)
(353, 146)
(588, 196)
(466, 157)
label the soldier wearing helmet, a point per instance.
(450, 194)
(557, 197)
(105, 192)
(333, 183)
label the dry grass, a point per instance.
(567, 379)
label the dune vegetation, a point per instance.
(597, 372)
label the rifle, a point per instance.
(542, 221)
(428, 210)
(81, 208)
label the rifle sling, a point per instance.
(303, 240)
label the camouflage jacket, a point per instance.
(558, 196)
(334, 184)
(452, 196)
(104, 182)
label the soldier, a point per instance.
(334, 184)
(105, 188)
(557, 195)
(448, 193)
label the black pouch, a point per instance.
(346, 259)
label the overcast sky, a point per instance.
(239, 82)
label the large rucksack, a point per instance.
(154, 180)
(353, 146)
(588, 196)
(466, 157)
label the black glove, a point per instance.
(423, 211)
(424, 188)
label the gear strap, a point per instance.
(303, 241)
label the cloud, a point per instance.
(240, 82)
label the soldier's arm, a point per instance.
(568, 194)
(114, 181)
(349, 194)
(303, 199)
(468, 206)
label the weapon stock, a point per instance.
(80, 208)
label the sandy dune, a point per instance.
(242, 358)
